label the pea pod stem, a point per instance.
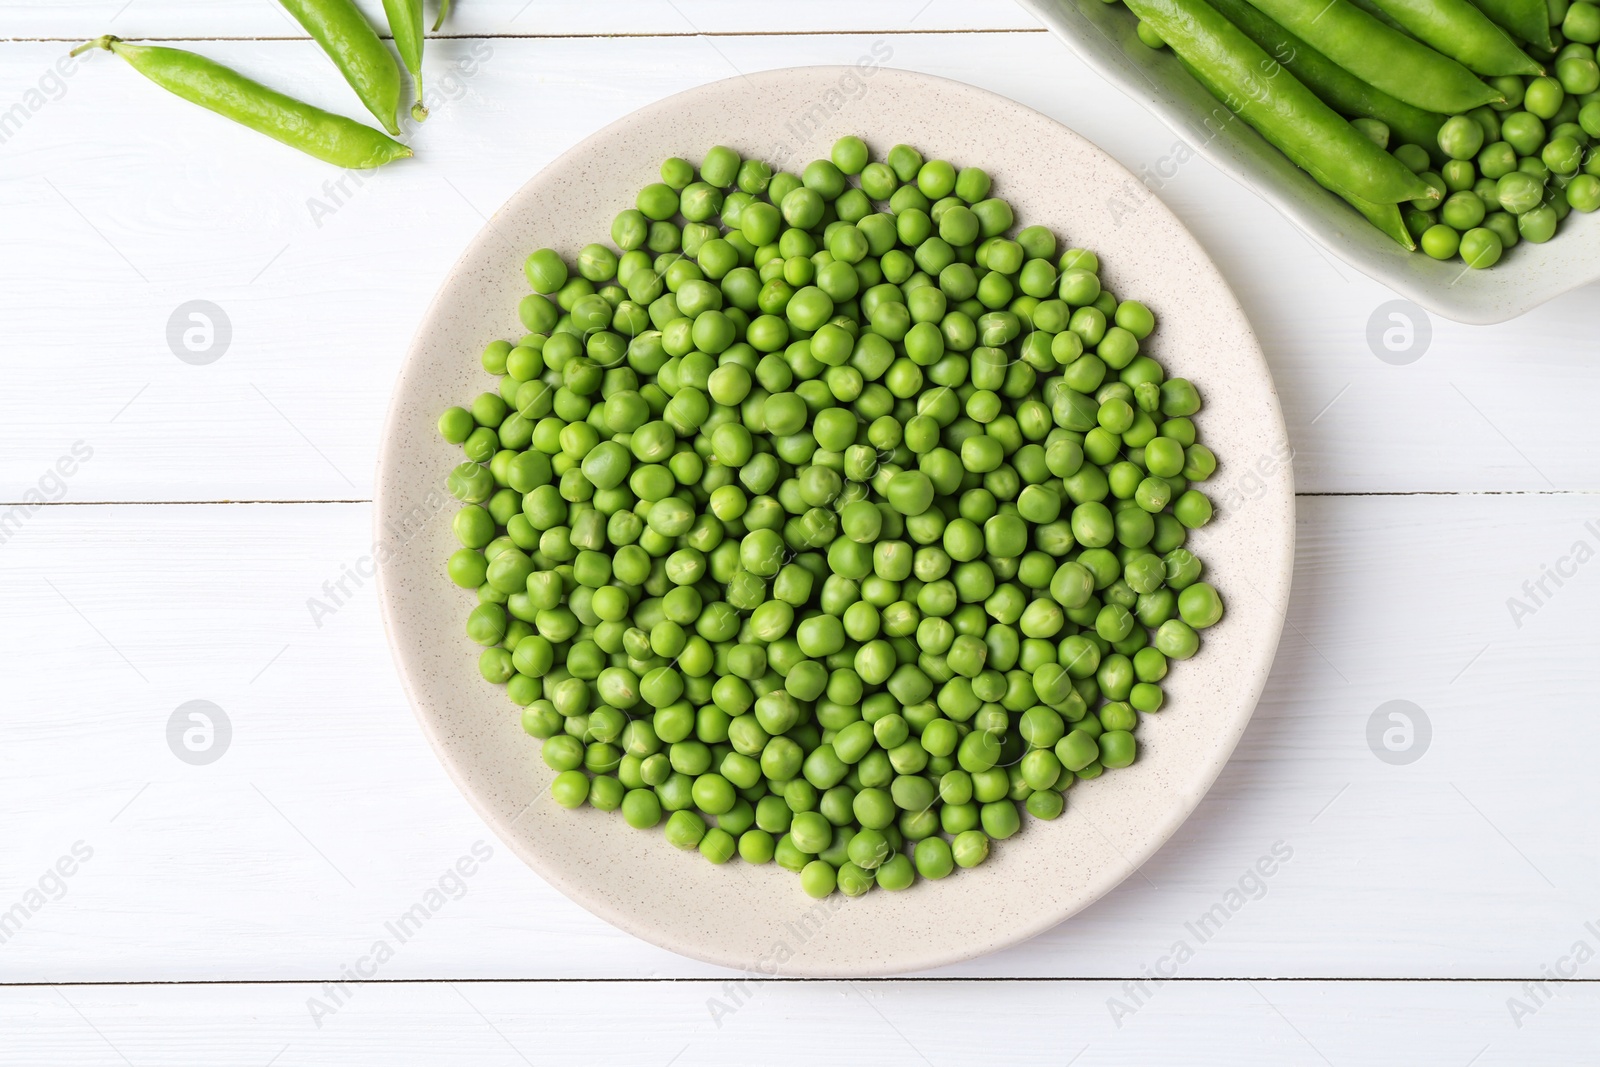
(1463, 33)
(444, 13)
(1273, 101)
(329, 137)
(1383, 57)
(405, 23)
(344, 33)
(1528, 19)
(1340, 89)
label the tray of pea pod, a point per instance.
(1440, 146)
(818, 539)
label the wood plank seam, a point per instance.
(873, 32)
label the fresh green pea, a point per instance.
(833, 515)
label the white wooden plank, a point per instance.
(125, 204)
(328, 816)
(1276, 1024)
(263, 18)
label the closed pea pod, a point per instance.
(1384, 57)
(1462, 32)
(1385, 216)
(329, 137)
(405, 23)
(1343, 91)
(1283, 110)
(1528, 19)
(350, 41)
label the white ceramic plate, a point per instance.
(756, 918)
(1102, 34)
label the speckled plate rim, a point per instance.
(754, 919)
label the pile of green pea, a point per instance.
(827, 523)
(1512, 171)
(1507, 171)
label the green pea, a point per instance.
(1537, 225)
(685, 829)
(1193, 509)
(934, 858)
(897, 873)
(1460, 137)
(798, 489)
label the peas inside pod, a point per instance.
(829, 519)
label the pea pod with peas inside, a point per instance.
(1277, 105)
(329, 137)
(344, 33)
(1462, 32)
(1383, 57)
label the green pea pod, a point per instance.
(353, 45)
(1341, 90)
(1385, 58)
(1528, 19)
(444, 13)
(1385, 217)
(1277, 105)
(1463, 33)
(331, 138)
(1371, 8)
(405, 23)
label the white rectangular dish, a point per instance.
(1102, 34)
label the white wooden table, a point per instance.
(165, 523)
